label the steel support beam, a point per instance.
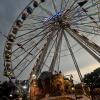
(51, 69)
(39, 64)
(73, 57)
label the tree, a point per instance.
(92, 78)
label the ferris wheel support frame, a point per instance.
(73, 57)
(51, 69)
(39, 64)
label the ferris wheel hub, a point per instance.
(56, 21)
(53, 17)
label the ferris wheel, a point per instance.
(48, 32)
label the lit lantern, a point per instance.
(19, 23)
(35, 4)
(11, 38)
(24, 16)
(14, 30)
(8, 60)
(7, 65)
(7, 53)
(29, 10)
(8, 45)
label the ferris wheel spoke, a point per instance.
(30, 51)
(24, 62)
(67, 48)
(37, 35)
(27, 28)
(59, 54)
(73, 56)
(72, 5)
(98, 7)
(28, 40)
(90, 47)
(70, 11)
(54, 43)
(30, 25)
(77, 11)
(35, 18)
(73, 52)
(92, 18)
(27, 49)
(92, 1)
(45, 10)
(52, 65)
(92, 5)
(88, 15)
(86, 25)
(43, 63)
(61, 7)
(47, 56)
(33, 30)
(78, 20)
(39, 63)
(38, 22)
(66, 3)
(84, 19)
(30, 31)
(82, 16)
(88, 32)
(54, 5)
(90, 27)
(27, 64)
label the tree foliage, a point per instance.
(93, 77)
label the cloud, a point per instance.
(84, 70)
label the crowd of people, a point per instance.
(13, 91)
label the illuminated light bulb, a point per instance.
(24, 87)
(10, 95)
